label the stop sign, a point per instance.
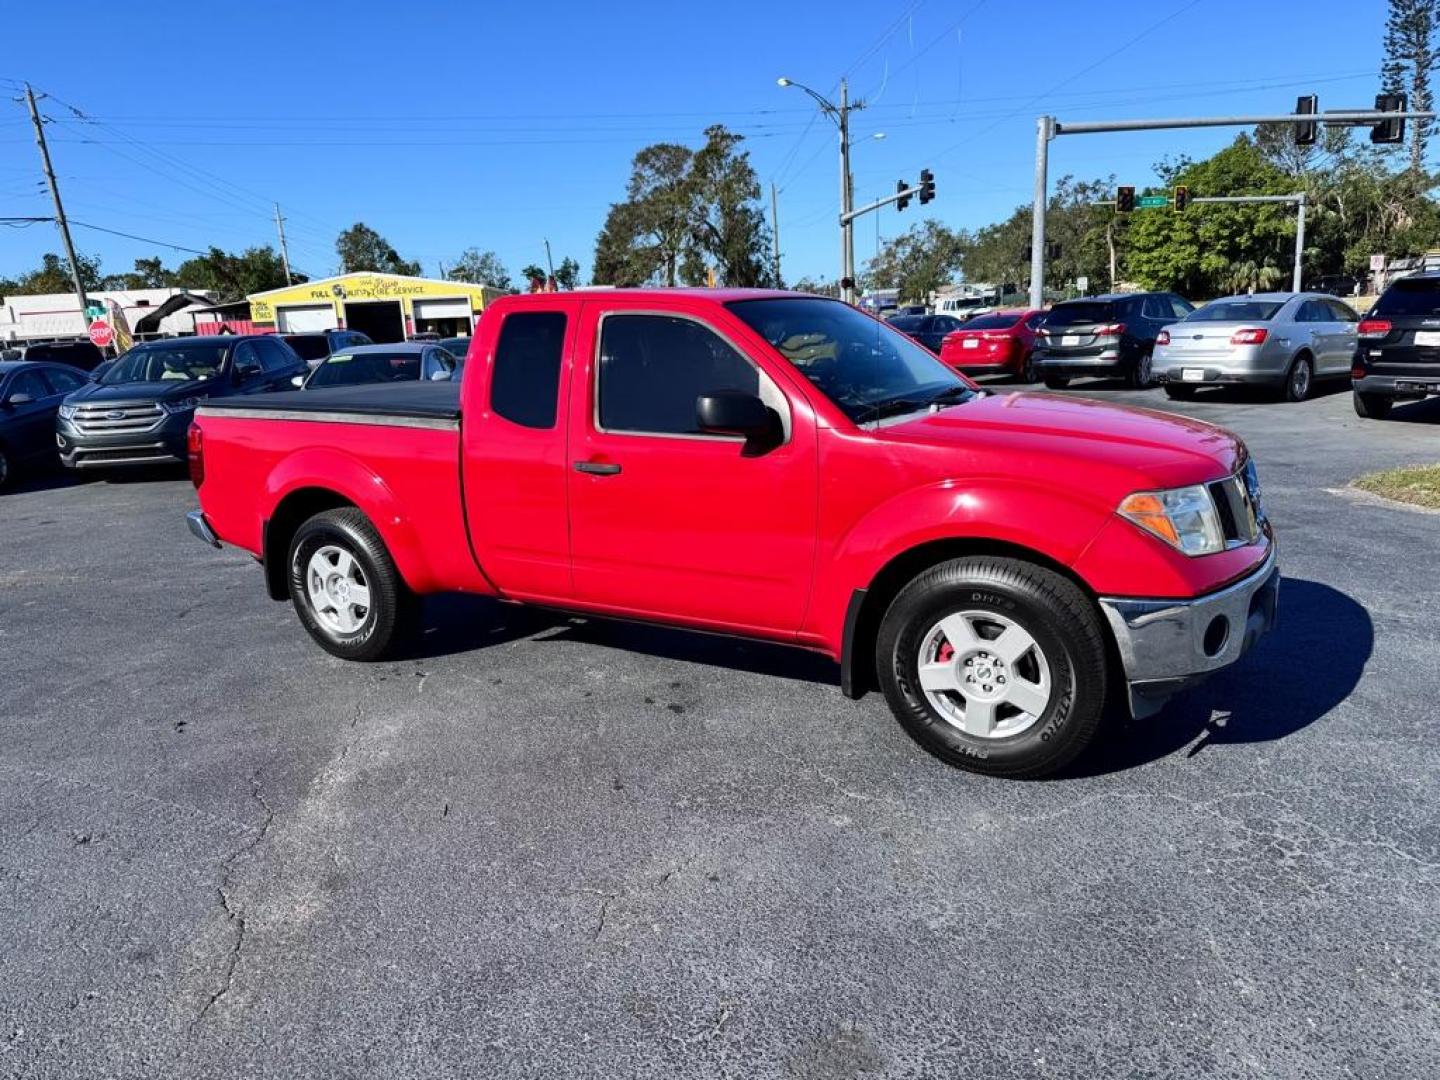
(101, 333)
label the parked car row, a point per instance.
(136, 409)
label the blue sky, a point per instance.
(447, 125)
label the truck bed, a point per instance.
(439, 401)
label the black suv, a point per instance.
(1104, 335)
(1397, 353)
(140, 409)
(77, 354)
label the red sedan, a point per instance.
(1000, 342)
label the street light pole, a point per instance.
(840, 114)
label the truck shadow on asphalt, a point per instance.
(1302, 670)
(456, 624)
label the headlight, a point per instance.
(182, 405)
(67, 412)
(1185, 518)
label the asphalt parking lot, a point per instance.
(548, 848)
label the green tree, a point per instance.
(685, 211)
(567, 274)
(480, 268)
(231, 276)
(917, 261)
(362, 248)
(148, 274)
(1209, 249)
(1410, 56)
(53, 276)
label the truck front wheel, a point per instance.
(994, 665)
(345, 587)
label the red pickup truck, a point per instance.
(776, 466)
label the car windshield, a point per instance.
(350, 368)
(1001, 320)
(309, 346)
(168, 363)
(1236, 311)
(866, 368)
(1079, 314)
(1409, 300)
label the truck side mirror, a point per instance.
(732, 412)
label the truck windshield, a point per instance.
(866, 368)
(169, 363)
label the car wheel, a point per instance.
(1056, 382)
(1141, 376)
(994, 665)
(1372, 406)
(1028, 375)
(1299, 379)
(1176, 392)
(345, 587)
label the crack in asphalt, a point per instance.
(234, 914)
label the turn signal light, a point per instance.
(1374, 328)
(1148, 511)
(1162, 338)
(1249, 336)
(195, 453)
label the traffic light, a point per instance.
(1181, 198)
(1124, 200)
(902, 189)
(1305, 133)
(927, 186)
(1389, 131)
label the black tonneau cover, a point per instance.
(421, 400)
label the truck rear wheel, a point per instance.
(994, 665)
(345, 587)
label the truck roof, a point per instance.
(717, 296)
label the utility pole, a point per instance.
(549, 262)
(775, 231)
(59, 207)
(847, 230)
(284, 251)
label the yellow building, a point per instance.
(385, 307)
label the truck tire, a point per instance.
(1056, 382)
(994, 665)
(1372, 406)
(345, 587)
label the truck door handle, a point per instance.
(597, 468)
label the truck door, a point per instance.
(514, 464)
(666, 521)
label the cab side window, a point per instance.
(653, 367)
(273, 355)
(525, 383)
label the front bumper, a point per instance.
(163, 444)
(1168, 645)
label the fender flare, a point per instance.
(341, 473)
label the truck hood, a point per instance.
(1138, 448)
(164, 390)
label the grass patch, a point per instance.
(1418, 485)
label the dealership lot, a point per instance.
(546, 847)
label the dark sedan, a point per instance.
(30, 395)
(928, 330)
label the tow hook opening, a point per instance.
(1216, 635)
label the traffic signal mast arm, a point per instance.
(901, 195)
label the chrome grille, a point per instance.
(118, 418)
(1240, 516)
